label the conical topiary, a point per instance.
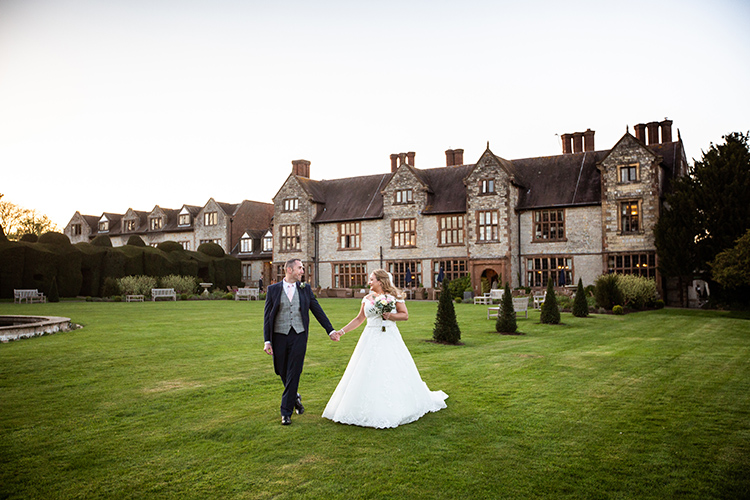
(446, 326)
(506, 315)
(580, 305)
(550, 312)
(54, 295)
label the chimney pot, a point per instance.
(577, 142)
(653, 132)
(666, 130)
(394, 162)
(301, 168)
(458, 157)
(401, 158)
(410, 158)
(449, 158)
(588, 140)
(640, 132)
(566, 144)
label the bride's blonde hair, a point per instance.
(384, 277)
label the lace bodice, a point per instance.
(371, 312)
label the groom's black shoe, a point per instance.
(286, 420)
(298, 405)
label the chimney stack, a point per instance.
(394, 162)
(588, 140)
(577, 142)
(566, 144)
(301, 168)
(640, 132)
(410, 158)
(401, 159)
(653, 132)
(449, 158)
(666, 130)
(458, 157)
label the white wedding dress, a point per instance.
(381, 386)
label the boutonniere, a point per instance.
(302, 285)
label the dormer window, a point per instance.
(246, 244)
(268, 242)
(487, 186)
(291, 205)
(155, 223)
(184, 220)
(130, 225)
(103, 225)
(404, 196)
(628, 173)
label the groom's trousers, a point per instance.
(288, 359)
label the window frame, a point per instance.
(404, 238)
(397, 268)
(456, 234)
(630, 168)
(627, 263)
(246, 245)
(487, 186)
(349, 275)
(622, 215)
(154, 223)
(76, 229)
(210, 218)
(545, 267)
(182, 218)
(350, 235)
(291, 204)
(103, 226)
(452, 269)
(290, 238)
(538, 222)
(482, 226)
(403, 196)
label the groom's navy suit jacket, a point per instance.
(307, 303)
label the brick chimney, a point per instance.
(449, 158)
(588, 140)
(666, 130)
(567, 149)
(301, 168)
(640, 132)
(401, 158)
(458, 157)
(653, 132)
(577, 142)
(410, 158)
(394, 162)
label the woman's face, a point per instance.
(375, 283)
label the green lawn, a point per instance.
(178, 400)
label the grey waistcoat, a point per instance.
(288, 315)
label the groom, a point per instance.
(286, 321)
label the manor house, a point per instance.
(576, 215)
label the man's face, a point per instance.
(295, 272)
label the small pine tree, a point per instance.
(446, 327)
(580, 306)
(54, 295)
(550, 312)
(506, 315)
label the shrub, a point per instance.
(102, 241)
(457, 300)
(211, 249)
(456, 287)
(170, 246)
(116, 298)
(618, 310)
(607, 293)
(136, 241)
(550, 313)
(580, 304)
(181, 284)
(137, 285)
(54, 238)
(659, 304)
(506, 315)
(54, 295)
(111, 287)
(29, 238)
(637, 291)
(229, 296)
(446, 326)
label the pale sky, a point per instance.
(107, 105)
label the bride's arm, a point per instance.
(401, 314)
(356, 321)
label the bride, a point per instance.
(381, 386)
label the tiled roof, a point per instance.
(352, 198)
(447, 193)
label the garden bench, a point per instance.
(247, 294)
(163, 293)
(134, 298)
(487, 298)
(520, 304)
(539, 299)
(28, 295)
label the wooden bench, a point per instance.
(28, 295)
(539, 300)
(163, 293)
(487, 298)
(134, 298)
(520, 305)
(247, 294)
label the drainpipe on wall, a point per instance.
(315, 259)
(520, 260)
(381, 258)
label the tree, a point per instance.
(550, 312)
(17, 221)
(506, 315)
(731, 268)
(446, 326)
(580, 304)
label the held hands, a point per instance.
(336, 335)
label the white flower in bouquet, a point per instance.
(384, 304)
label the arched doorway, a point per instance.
(492, 280)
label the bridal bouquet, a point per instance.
(384, 304)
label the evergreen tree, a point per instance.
(506, 315)
(446, 326)
(53, 295)
(550, 312)
(580, 305)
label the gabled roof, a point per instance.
(562, 180)
(352, 198)
(447, 193)
(253, 218)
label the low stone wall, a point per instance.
(24, 327)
